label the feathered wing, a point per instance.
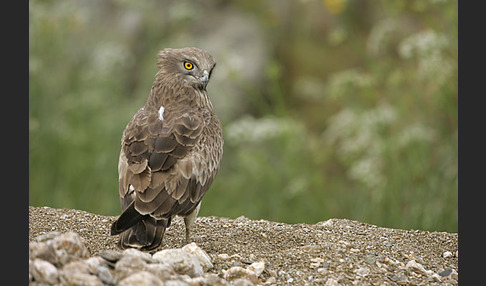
(164, 170)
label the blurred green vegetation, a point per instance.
(354, 116)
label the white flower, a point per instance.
(423, 44)
(249, 129)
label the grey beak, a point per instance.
(204, 79)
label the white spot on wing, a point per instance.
(161, 113)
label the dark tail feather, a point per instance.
(139, 231)
(127, 219)
(147, 234)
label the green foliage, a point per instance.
(357, 116)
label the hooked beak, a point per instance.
(204, 79)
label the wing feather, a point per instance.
(156, 161)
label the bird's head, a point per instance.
(191, 66)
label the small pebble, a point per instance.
(447, 254)
(331, 282)
(436, 277)
(363, 271)
(445, 273)
(257, 267)
(418, 268)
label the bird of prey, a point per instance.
(170, 151)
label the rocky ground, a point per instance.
(73, 247)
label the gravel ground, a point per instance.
(332, 252)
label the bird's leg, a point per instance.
(189, 221)
(188, 233)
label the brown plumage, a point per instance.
(171, 150)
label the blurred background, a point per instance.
(330, 108)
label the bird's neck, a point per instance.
(178, 94)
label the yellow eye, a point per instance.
(188, 65)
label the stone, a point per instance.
(43, 271)
(67, 247)
(162, 271)
(445, 273)
(270, 281)
(454, 275)
(331, 282)
(224, 256)
(238, 272)
(128, 265)
(80, 279)
(436, 277)
(76, 266)
(400, 278)
(135, 252)
(179, 282)
(242, 282)
(111, 255)
(38, 250)
(215, 280)
(418, 268)
(201, 255)
(257, 267)
(141, 278)
(46, 236)
(363, 271)
(447, 254)
(94, 263)
(180, 261)
(105, 275)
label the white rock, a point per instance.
(43, 271)
(200, 255)
(447, 254)
(135, 252)
(76, 266)
(128, 265)
(238, 272)
(93, 263)
(163, 271)
(454, 275)
(271, 280)
(363, 271)
(181, 280)
(223, 256)
(180, 261)
(105, 275)
(314, 265)
(257, 267)
(214, 279)
(391, 261)
(418, 268)
(38, 250)
(141, 278)
(66, 247)
(242, 282)
(331, 282)
(436, 277)
(79, 278)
